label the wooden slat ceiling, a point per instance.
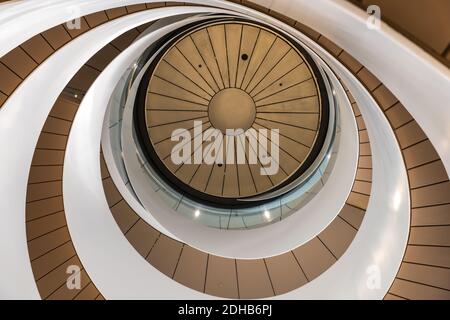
(232, 75)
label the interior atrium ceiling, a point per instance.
(236, 76)
(287, 149)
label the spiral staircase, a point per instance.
(91, 91)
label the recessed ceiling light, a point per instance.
(267, 215)
(197, 213)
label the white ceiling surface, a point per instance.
(409, 71)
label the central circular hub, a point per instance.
(232, 109)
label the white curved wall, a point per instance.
(407, 73)
(116, 268)
(421, 83)
(100, 242)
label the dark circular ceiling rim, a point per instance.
(153, 158)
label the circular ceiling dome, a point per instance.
(233, 110)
